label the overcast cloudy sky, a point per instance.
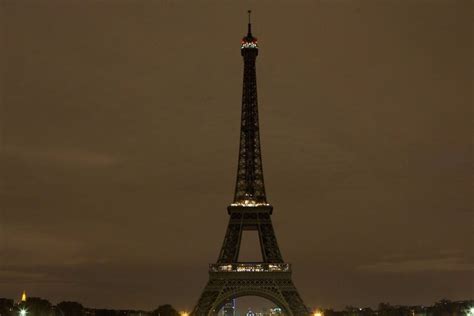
(119, 138)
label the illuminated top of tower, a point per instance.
(23, 296)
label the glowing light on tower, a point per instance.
(23, 297)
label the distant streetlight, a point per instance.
(23, 312)
(318, 313)
(184, 314)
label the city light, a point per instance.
(184, 314)
(471, 311)
(23, 312)
(318, 313)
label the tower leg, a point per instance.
(233, 236)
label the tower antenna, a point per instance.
(250, 23)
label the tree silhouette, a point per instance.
(165, 310)
(5, 306)
(69, 309)
(38, 307)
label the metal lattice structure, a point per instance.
(249, 185)
(229, 278)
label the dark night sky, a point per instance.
(120, 125)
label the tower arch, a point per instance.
(270, 295)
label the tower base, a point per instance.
(270, 281)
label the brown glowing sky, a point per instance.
(120, 125)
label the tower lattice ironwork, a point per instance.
(270, 278)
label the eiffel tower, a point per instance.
(270, 278)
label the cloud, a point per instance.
(75, 156)
(451, 264)
(20, 246)
(20, 276)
